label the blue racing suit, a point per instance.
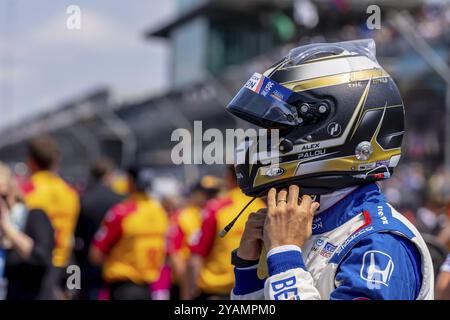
(360, 248)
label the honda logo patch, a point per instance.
(376, 269)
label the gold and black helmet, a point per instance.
(339, 115)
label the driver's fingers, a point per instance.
(271, 199)
(257, 216)
(306, 203)
(259, 232)
(314, 207)
(282, 196)
(262, 212)
(292, 199)
(282, 199)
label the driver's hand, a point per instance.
(251, 241)
(289, 219)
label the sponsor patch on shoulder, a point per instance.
(376, 268)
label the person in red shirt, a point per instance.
(184, 223)
(131, 243)
(210, 273)
(45, 190)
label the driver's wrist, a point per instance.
(249, 252)
(277, 244)
(242, 261)
(283, 248)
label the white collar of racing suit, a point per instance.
(330, 199)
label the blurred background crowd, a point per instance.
(89, 170)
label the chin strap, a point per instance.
(228, 227)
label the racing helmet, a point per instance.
(338, 114)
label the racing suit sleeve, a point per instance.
(288, 278)
(247, 285)
(381, 266)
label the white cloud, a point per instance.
(53, 64)
(6, 74)
(97, 33)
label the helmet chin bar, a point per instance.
(318, 185)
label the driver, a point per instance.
(328, 231)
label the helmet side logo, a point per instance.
(334, 129)
(274, 172)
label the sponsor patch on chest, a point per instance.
(328, 250)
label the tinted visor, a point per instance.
(263, 102)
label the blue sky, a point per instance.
(52, 64)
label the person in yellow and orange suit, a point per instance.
(184, 223)
(131, 243)
(210, 272)
(47, 191)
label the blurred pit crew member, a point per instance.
(96, 200)
(47, 191)
(210, 273)
(184, 223)
(130, 245)
(28, 238)
(341, 121)
(443, 281)
(431, 217)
